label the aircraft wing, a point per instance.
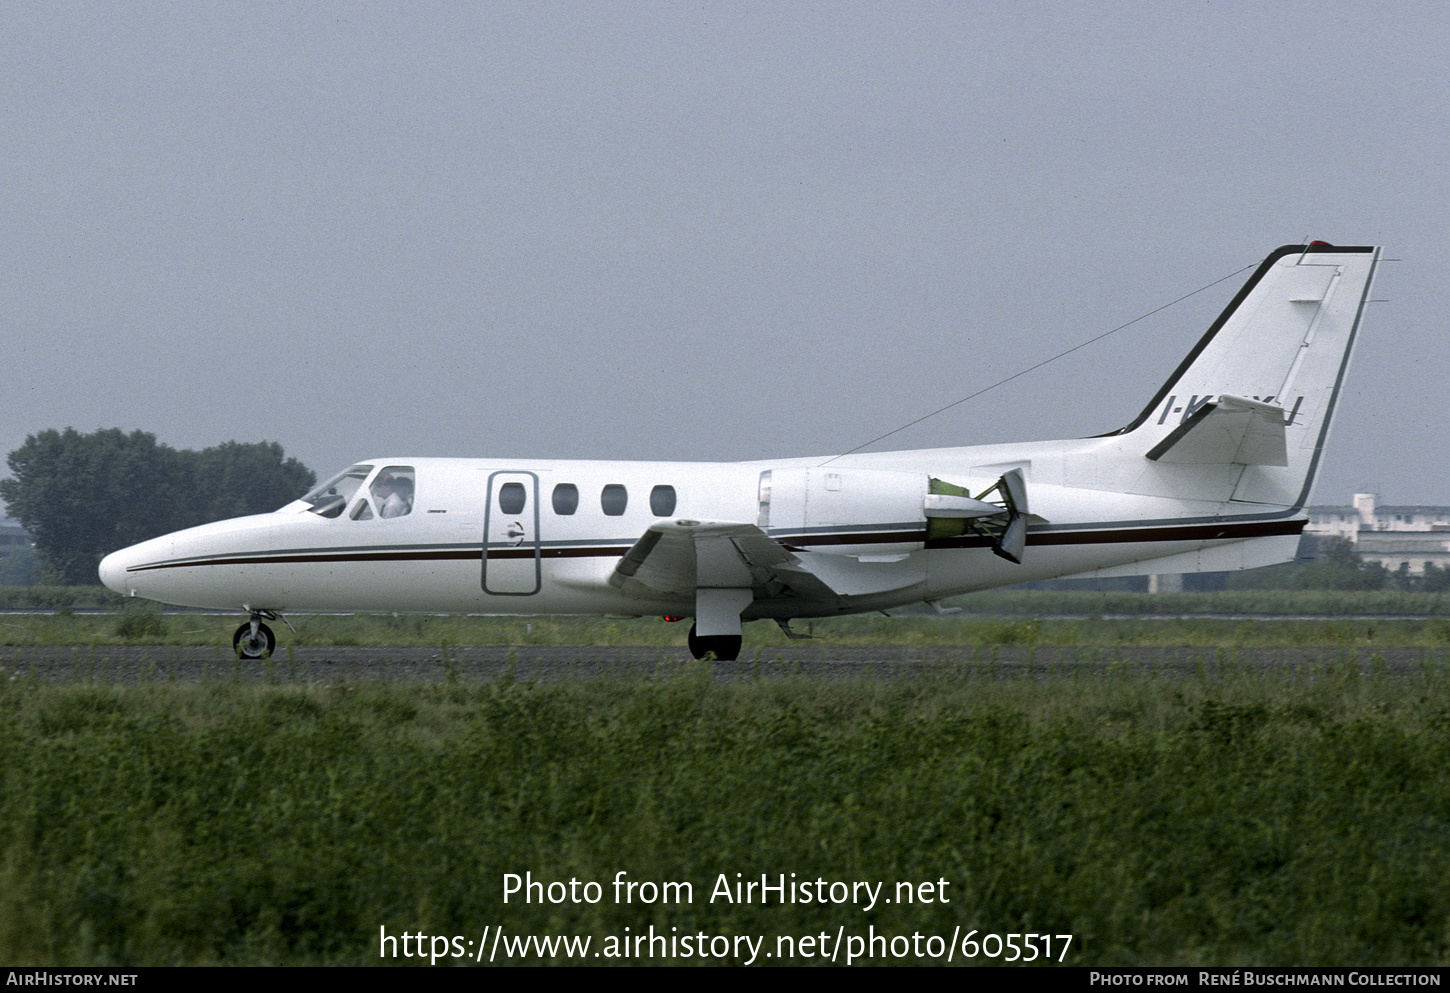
(680, 558)
(1229, 431)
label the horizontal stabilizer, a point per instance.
(1229, 431)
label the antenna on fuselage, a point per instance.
(1018, 375)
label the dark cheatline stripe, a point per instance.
(1191, 532)
(411, 555)
(1214, 531)
(1209, 531)
(578, 552)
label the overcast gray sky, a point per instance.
(699, 230)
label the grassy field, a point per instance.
(380, 630)
(1233, 818)
(1224, 817)
(1002, 601)
(1049, 619)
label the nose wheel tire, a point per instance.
(725, 646)
(254, 646)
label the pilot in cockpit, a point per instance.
(393, 494)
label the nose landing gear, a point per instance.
(254, 640)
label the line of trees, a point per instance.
(82, 496)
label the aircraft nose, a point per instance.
(113, 571)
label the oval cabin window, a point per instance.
(512, 497)
(662, 501)
(614, 499)
(566, 499)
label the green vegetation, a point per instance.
(1222, 819)
(82, 496)
(59, 598)
(1013, 617)
(1225, 817)
(1290, 603)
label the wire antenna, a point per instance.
(1018, 375)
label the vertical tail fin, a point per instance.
(1284, 341)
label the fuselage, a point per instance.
(545, 537)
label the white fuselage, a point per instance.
(859, 521)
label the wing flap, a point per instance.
(847, 575)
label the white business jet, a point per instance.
(1212, 475)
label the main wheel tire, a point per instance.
(252, 648)
(725, 646)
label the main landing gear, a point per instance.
(254, 640)
(725, 646)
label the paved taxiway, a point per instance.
(325, 664)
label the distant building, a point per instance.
(1401, 538)
(12, 535)
(17, 564)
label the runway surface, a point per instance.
(327, 664)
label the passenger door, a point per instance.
(511, 564)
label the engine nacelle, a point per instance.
(845, 507)
(886, 512)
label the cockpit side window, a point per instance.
(329, 498)
(392, 491)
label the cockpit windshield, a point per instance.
(328, 499)
(390, 495)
